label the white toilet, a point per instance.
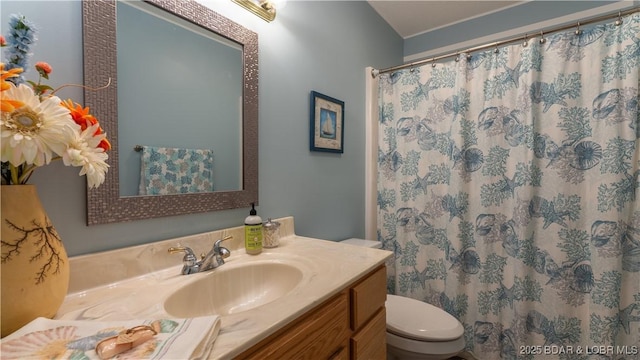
(417, 330)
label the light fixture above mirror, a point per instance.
(265, 9)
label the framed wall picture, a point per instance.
(327, 123)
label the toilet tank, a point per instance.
(362, 242)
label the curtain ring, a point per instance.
(457, 59)
(619, 21)
(578, 31)
(496, 49)
(469, 56)
(433, 63)
(542, 39)
(526, 41)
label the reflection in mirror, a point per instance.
(172, 87)
(179, 94)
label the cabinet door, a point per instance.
(367, 297)
(370, 343)
(318, 335)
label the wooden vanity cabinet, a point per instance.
(368, 317)
(350, 325)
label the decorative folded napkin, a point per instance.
(165, 170)
(61, 339)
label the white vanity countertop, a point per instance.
(145, 282)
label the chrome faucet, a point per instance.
(213, 259)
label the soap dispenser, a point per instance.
(253, 232)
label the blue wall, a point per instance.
(321, 46)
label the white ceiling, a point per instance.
(410, 18)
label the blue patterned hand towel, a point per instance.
(166, 171)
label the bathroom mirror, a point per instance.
(195, 105)
(108, 203)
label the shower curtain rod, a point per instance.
(525, 37)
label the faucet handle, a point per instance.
(180, 249)
(216, 245)
(189, 261)
(220, 251)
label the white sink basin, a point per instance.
(233, 289)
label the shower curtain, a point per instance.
(508, 189)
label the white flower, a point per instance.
(35, 132)
(83, 151)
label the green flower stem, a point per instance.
(27, 170)
(20, 174)
(14, 174)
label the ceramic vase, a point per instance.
(34, 266)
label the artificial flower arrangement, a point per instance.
(36, 126)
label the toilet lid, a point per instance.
(420, 321)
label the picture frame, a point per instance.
(327, 123)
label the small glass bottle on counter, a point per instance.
(271, 234)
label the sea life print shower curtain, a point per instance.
(509, 191)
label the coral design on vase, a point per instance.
(42, 234)
(36, 128)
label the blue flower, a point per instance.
(22, 35)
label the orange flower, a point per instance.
(8, 105)
(79, 114)
(82, 117)
(105, 144)
(5, 74)
(42, 66)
